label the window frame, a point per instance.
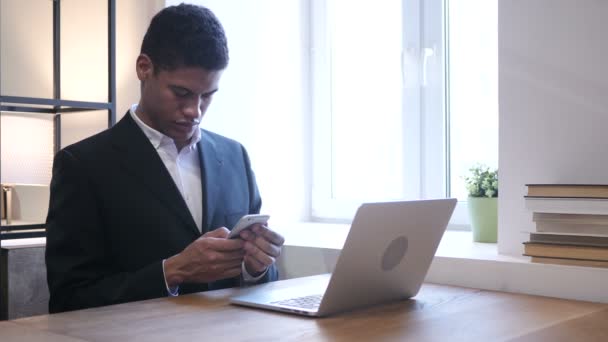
(424, 80)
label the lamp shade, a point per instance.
(26, 158)
(26, 148)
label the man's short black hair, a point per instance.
(186, 36)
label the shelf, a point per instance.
(20, 225)
(21, 229)
(24, 243)
(56, 106)
(22, 234)
(51, 106)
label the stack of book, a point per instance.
(571, 224)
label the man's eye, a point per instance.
(180, 92)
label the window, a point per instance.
(395, 115)
(473, 88)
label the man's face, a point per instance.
(174, 102)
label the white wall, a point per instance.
(132, 20)
(553, 94)
(25, 70)
(26, 56)
(85, 62)
(263, 97)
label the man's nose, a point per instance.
(192, 108)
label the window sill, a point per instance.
(313, 248)
(454, 244)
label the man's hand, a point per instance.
(262, 248)
(211, 257)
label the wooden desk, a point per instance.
(438, 313)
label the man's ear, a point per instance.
(144, 67)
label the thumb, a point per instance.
(220, 233)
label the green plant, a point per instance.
(482, 182)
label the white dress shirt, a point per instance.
(184, 168)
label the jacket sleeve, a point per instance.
(80, 273)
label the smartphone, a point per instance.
(245, 222)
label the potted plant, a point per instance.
(482, 187)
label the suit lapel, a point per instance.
(211, 164)
(141, 160)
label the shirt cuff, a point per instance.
(248, 278)
(172, 291)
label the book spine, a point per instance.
(571, 240)
(571, 218)
(567, 252)
(554, 227)
(567, 206)
(570, 262)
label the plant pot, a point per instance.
(483, 212)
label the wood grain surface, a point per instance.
(437, 313)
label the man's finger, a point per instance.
(223, 257)
(270, 235)
(221, 232)
(231, 273)
(228, 265)
(255, 252)
(266, 246)
(254, 265)
(247, 235)
(220, 244)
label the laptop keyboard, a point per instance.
(307, 302)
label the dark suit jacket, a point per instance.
(115, 214)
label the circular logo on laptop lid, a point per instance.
(394, 253)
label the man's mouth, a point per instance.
(186, 126)
(190, 122)
(187, 123)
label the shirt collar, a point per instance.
(157, 138)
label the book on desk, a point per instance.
(570, 224)
(568, 190)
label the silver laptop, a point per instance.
(385, 258)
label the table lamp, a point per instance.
(26, 158)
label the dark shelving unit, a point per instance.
(57, 106)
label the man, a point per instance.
(140, 210)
